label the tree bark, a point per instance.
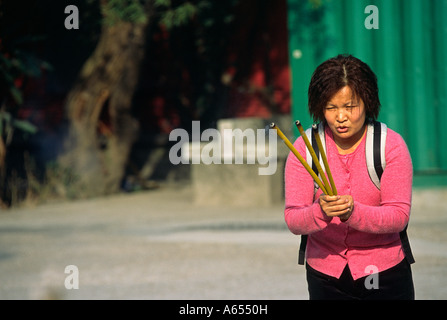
(102, 128)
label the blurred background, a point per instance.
(84, 109)
(88, 98)
(87, 111)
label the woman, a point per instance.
(356, 232)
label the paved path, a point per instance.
(157, 245)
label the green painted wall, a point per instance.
(408, 52)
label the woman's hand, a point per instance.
(337, 206)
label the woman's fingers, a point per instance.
(334, 206)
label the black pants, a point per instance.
(395, 283)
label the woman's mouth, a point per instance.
(342, 129)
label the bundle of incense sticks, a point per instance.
(324, 186)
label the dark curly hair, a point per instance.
(336, 73)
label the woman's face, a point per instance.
(345, 116)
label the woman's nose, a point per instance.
(341, 115)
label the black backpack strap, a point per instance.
(406, 246)
(375, 151)
(379, 156)
(317, 152)
(302, 251)
(310, 134)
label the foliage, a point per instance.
(8, 123)
(175, 16)
(18, 64)
(15, 64)
(199, 35)
(124, 10)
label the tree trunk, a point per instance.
(101, 126)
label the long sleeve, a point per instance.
(302, 213)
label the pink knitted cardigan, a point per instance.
(369, 239)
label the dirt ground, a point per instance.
(158, 245)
